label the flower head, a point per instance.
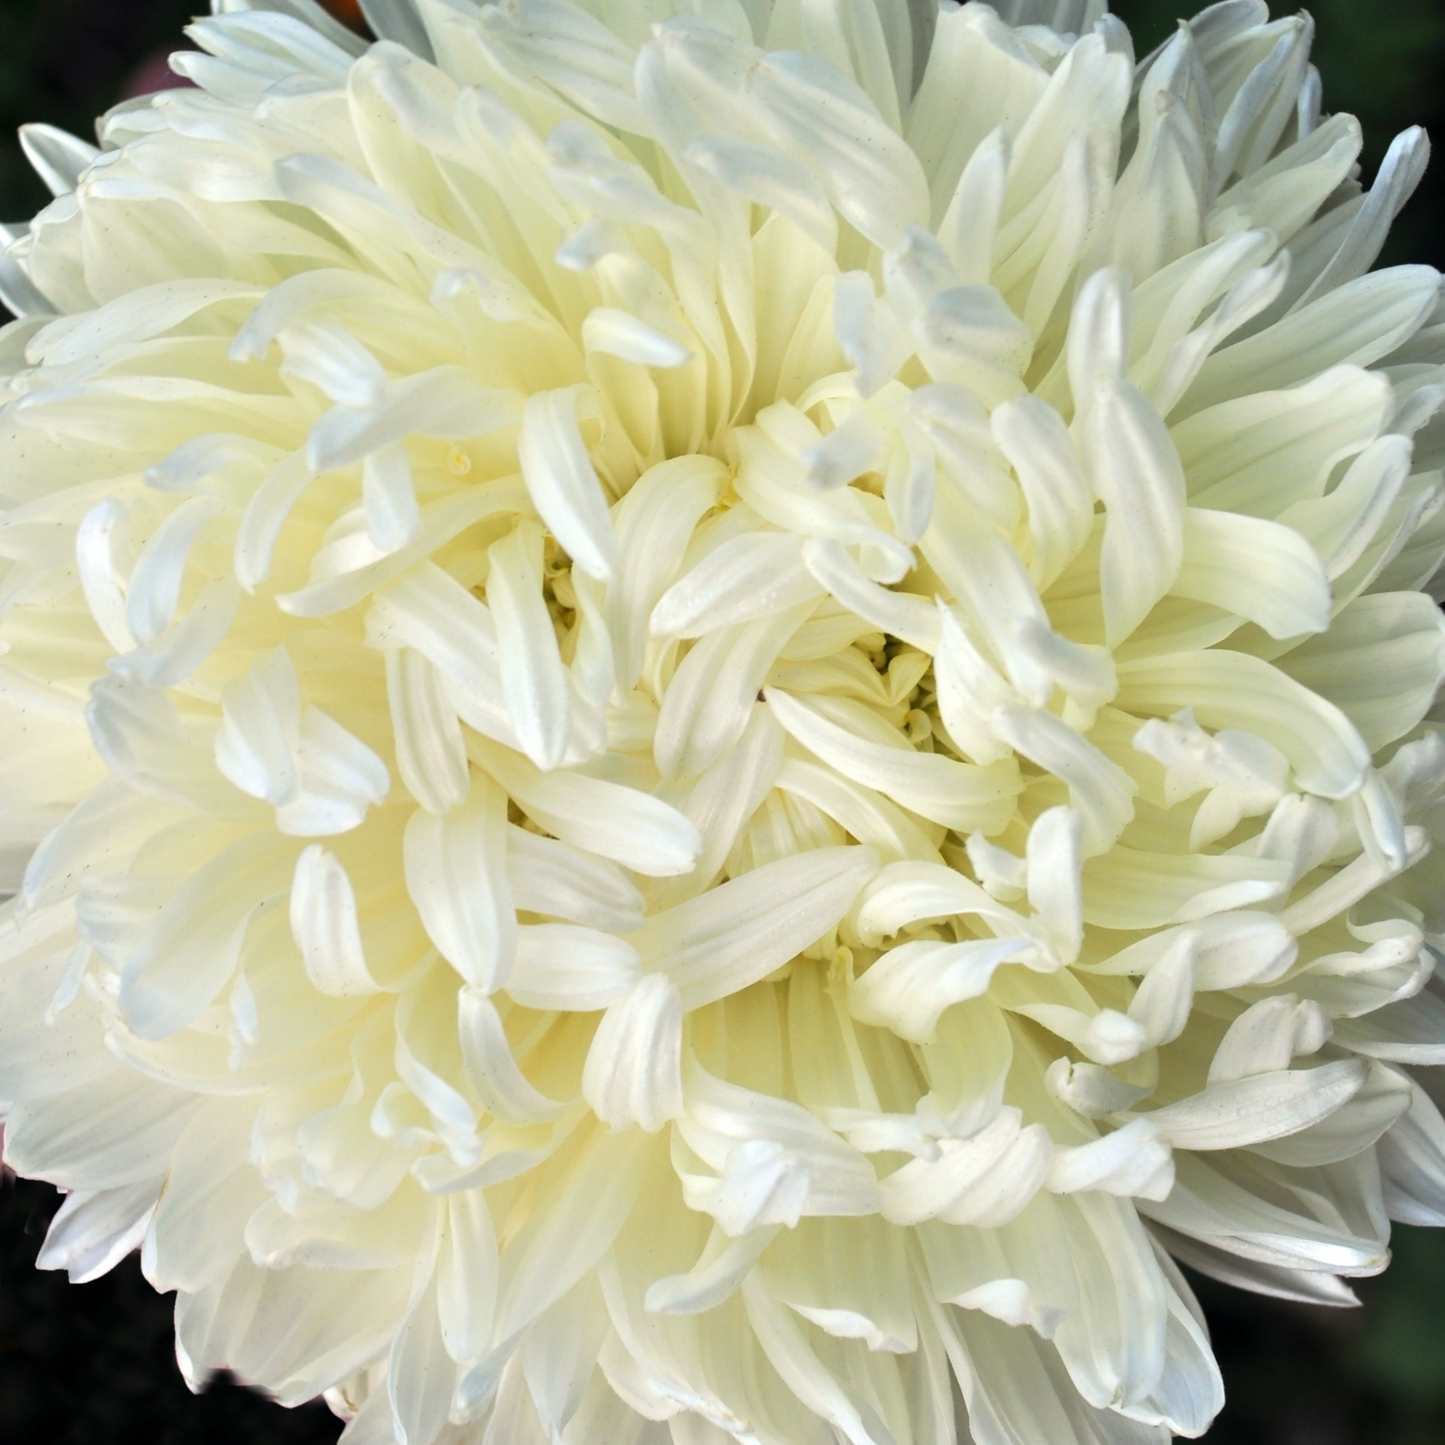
(726, 712)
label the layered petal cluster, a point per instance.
(714, 716)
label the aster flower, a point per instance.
(715, 719)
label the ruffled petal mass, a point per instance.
(716, 716)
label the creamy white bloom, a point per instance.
(716, 715)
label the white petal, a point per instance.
(138, 732)
(1090, 1089)
(211, 1189)
(456, 876)
(725, 939)
(430, 611)
(500, 1083)
(1267, 1036)
(1100, 791)
(769, 178)
(633, 1073)
(551, 877)
(325, 926)
(710, 698)
(1412, 1161)
(867, 332)
(467, 1275)
(155, 582)
(619, 333)
(745, 577)
(905, 893)
(93, 1231)
(1055, 858)
(178, 652)
(1351, 1130)
(910, 986)
(969, 334)
(850, 449)
(1340, 525)
(957, 795)
(870, 817)
(904, 615)
(1032, 435)
(444, 402)
(420, 1376)
(580, 1208)
(1098, 342)
(330, 358)
(562, 483)
(1230, 689)
(985, 1180)
(1132, 1162)
(533, 680)
(1161, 1003)
(115, 1132)
(637, 830)
(187, 953)
(577, 54)
(1258, 569)
(1136, 473)
(970, 691)
(787, 1349)
(260, 730)
(1264, 1106)
(339, 777)
(655, 522)
(95, 543)
(1135, 889)
(264, 517)
(872, 178)
(564, 966)
(778, 1162)
(725, 797)
(430, 753)
(58, 157)
(560, 1355)
(392, 515)
(711, 1280)
(1355, 325)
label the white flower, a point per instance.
(726, 712)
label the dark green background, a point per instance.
(93, 1364)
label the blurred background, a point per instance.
(94, 1364)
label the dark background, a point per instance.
(94, 1364)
